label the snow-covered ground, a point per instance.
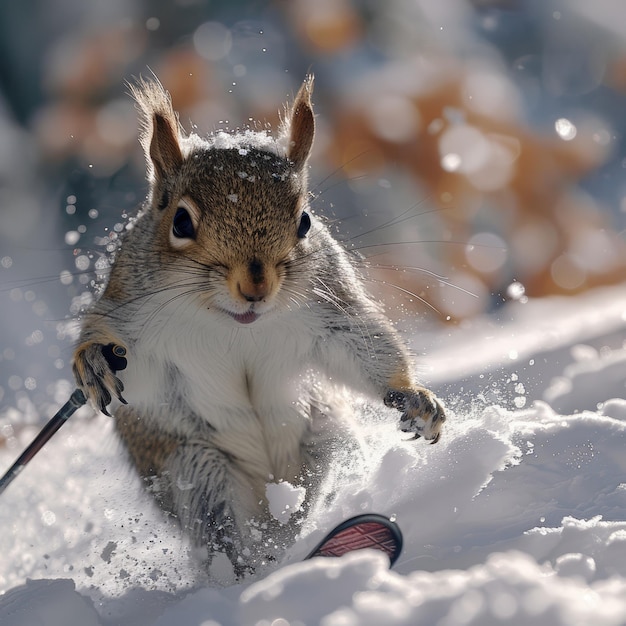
(517, 516)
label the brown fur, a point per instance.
(216, 409)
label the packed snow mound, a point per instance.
(516, 516)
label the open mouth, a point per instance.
(244, 318)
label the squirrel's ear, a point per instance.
(161, 133)
(299, 126)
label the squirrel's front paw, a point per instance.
(422, 413)
(94, 368)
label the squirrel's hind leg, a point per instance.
(198, 484)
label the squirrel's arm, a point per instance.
(363, 350)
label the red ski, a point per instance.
(369, 530)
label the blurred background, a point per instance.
(473, 151)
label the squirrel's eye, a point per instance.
(305, 224)
(183, 227)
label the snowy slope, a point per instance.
(517, 516)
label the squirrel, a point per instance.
(231, 301)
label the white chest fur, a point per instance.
(245, 381)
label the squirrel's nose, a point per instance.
(254, 286)
(253, 281)
(253, 292)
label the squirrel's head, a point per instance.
(230, 210)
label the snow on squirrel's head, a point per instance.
(166, 145)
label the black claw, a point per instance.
(119, 387)
(105, 401)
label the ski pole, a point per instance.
(77, 399)
(115, 357)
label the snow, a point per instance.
(517, 516)
(244, 140)
(284, 499)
